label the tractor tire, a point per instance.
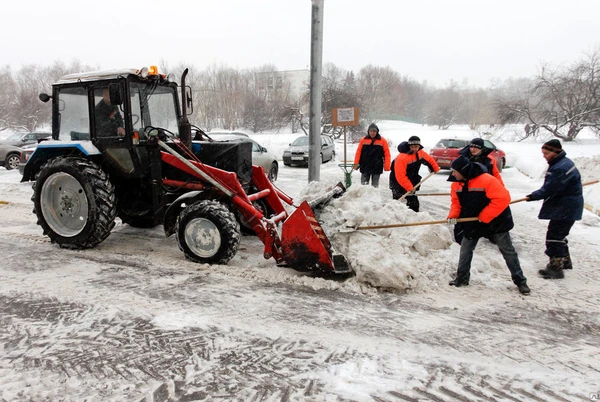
(208, 233)
(12, 161)
(74, 202)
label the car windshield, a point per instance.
(13, 137)
(451, 144)
(300, 141)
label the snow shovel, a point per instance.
(412, 192)
(349, 228)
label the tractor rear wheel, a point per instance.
(207, 232)
(74, 202)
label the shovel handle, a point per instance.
(583, 184)
(416, 186)
(400, 225)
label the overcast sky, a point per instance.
(433, 40)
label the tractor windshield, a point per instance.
(153, 106)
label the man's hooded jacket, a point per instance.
(481, 196)
(373, 154)
(405, 168)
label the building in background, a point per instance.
(292, 83)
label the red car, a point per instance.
(446, 150)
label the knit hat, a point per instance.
(477, 143)
(414, 140)
(461, 165)
(553, 146)
(373, 126)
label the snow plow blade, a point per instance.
(306, 247)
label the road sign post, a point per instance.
(345, 117)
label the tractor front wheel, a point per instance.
(74, 202)
(207, 232)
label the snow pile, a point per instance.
(412, 258)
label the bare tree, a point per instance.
(445, 107)
(562, 100)
(380, 92)
(478, 109)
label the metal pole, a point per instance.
(316, 91)
(345, 144)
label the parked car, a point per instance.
(10, 156)
(26, 152)
(446, 150)
(260, 155)
(225, 132)
(297, 153)
(21, 139)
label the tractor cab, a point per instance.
(114, 110)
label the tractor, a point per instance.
(122, 146)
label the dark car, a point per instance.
(297, 153)
(10, 156)
(446, 150)
(21, 139)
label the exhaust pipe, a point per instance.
(185, 128)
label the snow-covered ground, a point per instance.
(133, 320)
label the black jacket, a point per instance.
(108, 119)
(561, 192)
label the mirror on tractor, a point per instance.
(189, 101)
(44, 97)
(114, 91)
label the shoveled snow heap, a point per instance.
(413, 258)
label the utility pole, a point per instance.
(316, 91)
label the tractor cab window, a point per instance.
(108, 117)
(156, 107)
(74, 114)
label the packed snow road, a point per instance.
(132, 320)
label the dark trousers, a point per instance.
(373, 177)
(504, 243)
(556, 238)
(412, 201)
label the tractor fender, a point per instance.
(176, 207)
(51, 149)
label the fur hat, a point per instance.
(477, 143)
(461, 165)
(373, 126)
(553, 145)
(414, 140)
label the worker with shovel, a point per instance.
(404, 175)
(563, 205)
(477, 193)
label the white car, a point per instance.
(260, 155)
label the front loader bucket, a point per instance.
(305, 246)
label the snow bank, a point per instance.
(413, 258)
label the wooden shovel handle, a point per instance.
(411, 192)
(583, 184)
(400, 225)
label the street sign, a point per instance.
(346, 116)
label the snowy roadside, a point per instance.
(131, 319)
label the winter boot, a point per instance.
(554, 269)
(567, 264)
(458, 283)
(524, 289)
